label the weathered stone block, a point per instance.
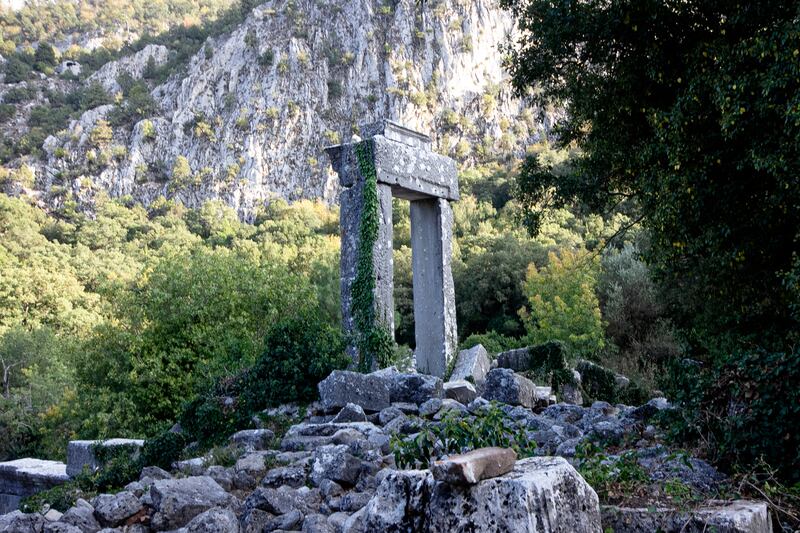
(517, 360)
(477, 465)
(24, 477)
(341, 387)
(541, 494)
(472, 364)
(81, 453)
(505, 386)
(741, 516)
(414, 388)
(461, 391)
(177, 501)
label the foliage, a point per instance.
(163, 449)
(371, 338)
(673, 107)
(456, 433)
(613, 478)
(492, 341)
(16, 70)
(299, 352)
(744, 409)
(563, 304)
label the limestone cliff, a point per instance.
(254, 108)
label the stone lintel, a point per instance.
(404, 161)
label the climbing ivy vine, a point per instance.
(372, 339)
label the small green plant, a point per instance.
(223, 456)
(612, 478)
(460, 434)
(267, 58)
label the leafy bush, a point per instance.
(611, 478)
(600, 383)
(459, 434)
(563, 304)
(745, 408)
(7, 112)
(493, 341)
(163, 449)
(299, 352)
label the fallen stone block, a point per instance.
(472, 364)
(335, 463)
(461, 391)
(83, 453)
(743, 516)
(253, 439)
(517, 360)
(414, 388)
(178, 501)
(24, 477)
(350, 413)
(341, 387)
(505, 386)
(112, 510)
(475, 466)
(541, 494)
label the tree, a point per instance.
(45, 56)
(689, 111)
(16, 70)
(563, 303)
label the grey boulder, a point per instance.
(504, 385)
(541, 494)
(112, 510)
(472, 364)
(177, 501)
(341, 387)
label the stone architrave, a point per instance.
(405, 167)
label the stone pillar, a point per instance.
(434, 296)
(350, 210)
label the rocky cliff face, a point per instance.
(254, 108)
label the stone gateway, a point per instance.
(402, 164)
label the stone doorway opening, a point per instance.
(394, 161)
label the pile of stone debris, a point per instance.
(334, 471)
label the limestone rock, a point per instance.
(112, 510)
(214, 520)
(503, 385)
(415, 388)
(253, 439)
(133, 65)
(177, 501)
(721, 517)
(350, 413)
(82, 517)
(334, 462)
(541, 494)
(24, 477)
(475, 466)
(517, 360)
(292, 476)
(341, 387)
(17, 521)
(472, 364)
(81, 453)
(461, 391)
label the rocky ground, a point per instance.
(335, 470)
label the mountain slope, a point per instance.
(248, 118)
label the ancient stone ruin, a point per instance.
(390, 161)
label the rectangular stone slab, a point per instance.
(470, 468)
(24, 477)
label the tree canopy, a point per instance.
(690, 112)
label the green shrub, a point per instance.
(16, 70)
(60, 498)
(743, 409)
(119, 465)
(459, 434)
(7, 112)
(610, 478)
(163, 450)
(493, 341)
(299, 352)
